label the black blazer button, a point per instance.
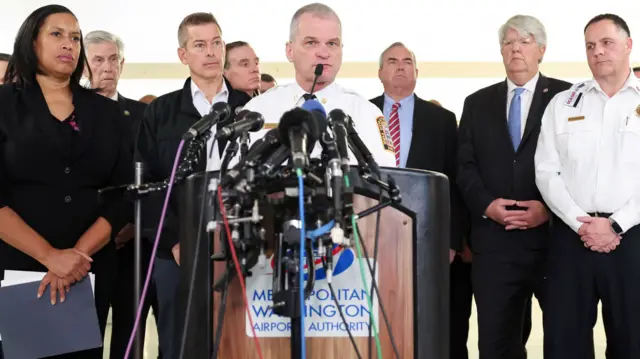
(67, 199)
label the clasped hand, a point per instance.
(532, 215)
(66, 267)
(597, 234)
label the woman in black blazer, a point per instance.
(59, 144)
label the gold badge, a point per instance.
(127, 113)
(324, 101)
(268, 126)
(577, 118)
(638, 111)
(385, 135)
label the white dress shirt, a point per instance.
(526, 97)
(204, 107)
(588, 154)
(368, 119)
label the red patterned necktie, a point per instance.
(394, 130)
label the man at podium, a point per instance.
(317, 40)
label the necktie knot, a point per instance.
(518, 91)
(395, 106)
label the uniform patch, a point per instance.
(268, 126)
(385, 135)
(576, 95)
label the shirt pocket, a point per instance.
(576, 139)
(629, 136)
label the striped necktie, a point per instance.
(394, 130)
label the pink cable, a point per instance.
(155, 249)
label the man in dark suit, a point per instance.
(105, 55)
(167, 118)
(425, 137)
(498, 134)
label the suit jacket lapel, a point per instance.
(36, 110)
(419, 126)
(122, 104)
(379, 101)
(501, 115)
(536, 111)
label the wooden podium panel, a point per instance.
(395, 280)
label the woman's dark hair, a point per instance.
(23, 66)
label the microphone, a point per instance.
(260, 149)
(276, 158)
(317, 72)
(299, 131)
(337, 121)
(219, 112)
(360, 150)
(252, 122)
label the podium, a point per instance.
(412, 276)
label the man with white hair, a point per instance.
(105, 55)
(315, 37)
(509, 234)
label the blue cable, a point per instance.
(301, 271)
(318, 232)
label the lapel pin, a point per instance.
(638, 111)
(545, 90)
(127, 113)
(324, 101)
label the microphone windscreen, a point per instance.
(318, 70)
(298, 117)
(222, 107)
(314, 106)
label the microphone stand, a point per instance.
(137, 272)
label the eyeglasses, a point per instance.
(523, 41)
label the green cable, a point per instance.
(364, 277)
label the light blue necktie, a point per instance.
(515, 118)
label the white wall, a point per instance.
(451, 31)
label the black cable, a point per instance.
(311, 276)
(194, 267)
(375, 263)
(375, 286)
(221, 312)
(344, 320)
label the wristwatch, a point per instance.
(615, 226)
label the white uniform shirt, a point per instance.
(203, 106)
(588, 154)
(526, 97)
(368, 119)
